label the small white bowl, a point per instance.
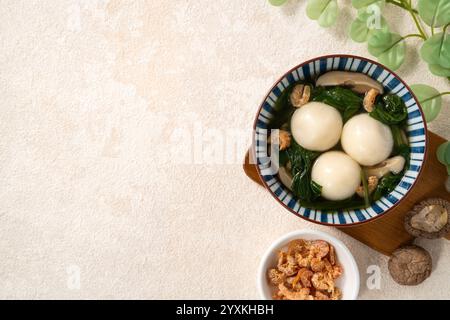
(348, 282)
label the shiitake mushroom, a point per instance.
(410, 265)
(358, 82)
(429, 219)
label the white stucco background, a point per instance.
(97, 99)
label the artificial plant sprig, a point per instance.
(389, 47)
(433, 13)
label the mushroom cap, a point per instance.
(410, 265)
(316, 126)
(338, 174)
(429, 219)
(356, 81)
(367, 140)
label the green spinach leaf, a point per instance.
(401, 148)
(301, 162)
(391, 110)
(347, 102)
(386, 185)
(283, 158)
(390, 181)
(283, 108)
(366, 188)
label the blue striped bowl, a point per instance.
(416, 131)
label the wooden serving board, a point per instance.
(386, 233)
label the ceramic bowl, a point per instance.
(348, 282)
(416, 133)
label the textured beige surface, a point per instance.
(95, 97)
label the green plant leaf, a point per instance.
(324, 11)
(390, 110)
(439, 70)
(277, 2)
(432, 107)
(301, 162)
(358, 4)
(380, 41)
(436, 50)
(443, 153)
(344, 100)
(435, 13)
(394, 57)
(386, 185)
(363, 26)
(388, 47)
(446, 154)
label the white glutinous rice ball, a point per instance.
(338, 174)
(367, 140)
(316, 126)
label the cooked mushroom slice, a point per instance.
(369, 99)
(410, 265)
(429, 219)
(358, 82)
(285, 177)
(300, 95)
(372, 183)
(394, 165)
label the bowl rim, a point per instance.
(382, 214)
(261, 274)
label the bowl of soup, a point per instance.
(339, 140)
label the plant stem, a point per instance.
(401, 5)
(419, 27)
(406, 5)
(445, 27)
(402, 39)
(365, 188)
(412, 36)
(416, 21)
(435, 96)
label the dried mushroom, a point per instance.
(410, 265)
(429, 219)
(372, 183)
(285, 139)
(300, 95)
(394, 165)
(358, 82)
(369, 99)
